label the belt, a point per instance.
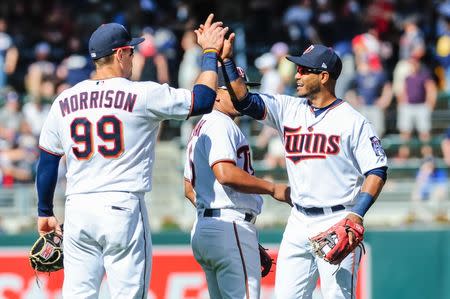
(314, 211)
(217, 212)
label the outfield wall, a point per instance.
(399, 264)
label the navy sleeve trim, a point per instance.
(252, 105)
(203, 100)
(46, 177)
(380, 172)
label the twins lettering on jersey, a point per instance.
(302, 146)
(117, 99)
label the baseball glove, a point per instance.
(266, 261)
(333, 245)
(46, 255)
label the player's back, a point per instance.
(107, 130)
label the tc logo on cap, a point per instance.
(309, 49)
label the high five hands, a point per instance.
(211, 35)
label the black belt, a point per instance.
(216, 213)
(314, 211)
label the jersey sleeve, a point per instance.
(49, 139)
(276, 106)
(165, 102)
(368, 150)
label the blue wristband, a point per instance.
(209, 61)
(230, 69)
(363, 203)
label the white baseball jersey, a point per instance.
(108, 129)
(327, 155)
(217, 138)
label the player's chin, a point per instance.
(301, 92)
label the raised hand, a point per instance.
(227, 50)
(211, 35)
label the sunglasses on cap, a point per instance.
(126, 47)
(304, 70)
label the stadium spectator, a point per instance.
(285, 68)
(149, 63)
(39, 70)
(271, 81)
(190, 63)
(373, 93)
(429, 192)
(9, 55)
(187, 74)
(445, 147)
(37, 107)
(77, 66)
(443, 54)
(415, 104)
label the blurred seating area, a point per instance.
(396, 72)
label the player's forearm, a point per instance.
(241, 181)
(204, 91)
(46, 177)
(236, 82)
(369, 192)
(373, 185)
(208, 74)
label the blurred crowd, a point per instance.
(396, 62)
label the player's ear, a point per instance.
(119, 54)
(325, 77)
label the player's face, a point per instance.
(226, 103)
(308, 81)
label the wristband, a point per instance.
(363, 203)
(230, 69)
(209, 60)
(210, 50)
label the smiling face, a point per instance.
(309, 81)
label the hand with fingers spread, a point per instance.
(227, 50)
(211, 35)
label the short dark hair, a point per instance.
(104, 61)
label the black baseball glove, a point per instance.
(266, 261)
(46, 255)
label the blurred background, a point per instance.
(396, 71)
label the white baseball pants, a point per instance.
(298, 267)
(227, 249)
(106, 232)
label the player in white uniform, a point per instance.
(107, 128)
(336, 168)
(220, 182)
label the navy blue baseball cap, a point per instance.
(241, 73)
(108, 37)
(319, 57)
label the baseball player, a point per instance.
(336, 168)
(220, 183)
(107, 128)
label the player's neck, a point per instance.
(107, 72)
(322, 100)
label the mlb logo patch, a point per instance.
(376, 145)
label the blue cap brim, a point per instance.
(136, 41)
(300, 60)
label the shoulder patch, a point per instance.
(376, 145)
